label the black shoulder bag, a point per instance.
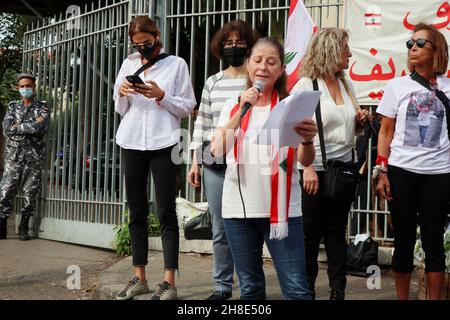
(441, 95)
(208, 160)
(340, 179)
(151, 62)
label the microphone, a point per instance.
(258, 85)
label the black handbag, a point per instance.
(340, 179)
(207, 159)
(362, 256)
(199, 227)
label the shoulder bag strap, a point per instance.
(151, 62)
(441, 95)
(320, 128)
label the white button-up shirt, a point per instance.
(147, 125)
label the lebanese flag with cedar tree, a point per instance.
(299, 31)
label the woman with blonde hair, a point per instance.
(325, 61)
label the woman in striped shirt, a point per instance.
(232, 44)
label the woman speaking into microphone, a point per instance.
(271, 212)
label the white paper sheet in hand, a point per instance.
(279, 127)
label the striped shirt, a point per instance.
(218, 89)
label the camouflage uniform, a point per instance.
(24, 155)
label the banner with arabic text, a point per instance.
(379, 30)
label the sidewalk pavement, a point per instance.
(195, 280)
(41, 269)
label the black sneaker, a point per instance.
(220, 295)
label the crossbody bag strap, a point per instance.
(441, 96)
(151, 62)
(320, 128)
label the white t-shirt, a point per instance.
(420, 143)
(338, 123)
(254, 171)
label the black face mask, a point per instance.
(146, 52)
(235, 56)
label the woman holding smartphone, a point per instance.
(148, 133)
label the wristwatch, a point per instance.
(305, 143)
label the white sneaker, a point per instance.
(164, 291)
(133, 288)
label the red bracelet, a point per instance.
(381, 160)
(162, 97)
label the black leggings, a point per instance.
(138, 164)
(427, 195)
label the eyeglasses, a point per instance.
(420, 43)
(239, 44)
(146, 45)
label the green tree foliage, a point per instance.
(12, 28)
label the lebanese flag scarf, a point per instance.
(281, 176)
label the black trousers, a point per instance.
(427, 195)
(137, 165)
(327, 219)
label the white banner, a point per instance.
(379, 30)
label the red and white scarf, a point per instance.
(281, 176)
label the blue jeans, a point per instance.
(223, 260)
(423, 133)
(288, 255)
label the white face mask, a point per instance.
(26, 92)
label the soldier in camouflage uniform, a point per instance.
(25, 125)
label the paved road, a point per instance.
(37, 269)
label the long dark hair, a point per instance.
(280, 84)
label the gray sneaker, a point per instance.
(164, 291)
(133, 288)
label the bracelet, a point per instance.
(382, 161)
(378, 170)
(305, 143)
(162, 97)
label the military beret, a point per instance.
(26, 76)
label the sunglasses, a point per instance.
(420, 43)
(145, 45)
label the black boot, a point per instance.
(3, 228)
(23, 227)
(337, 294)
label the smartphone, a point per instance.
(134, 79)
